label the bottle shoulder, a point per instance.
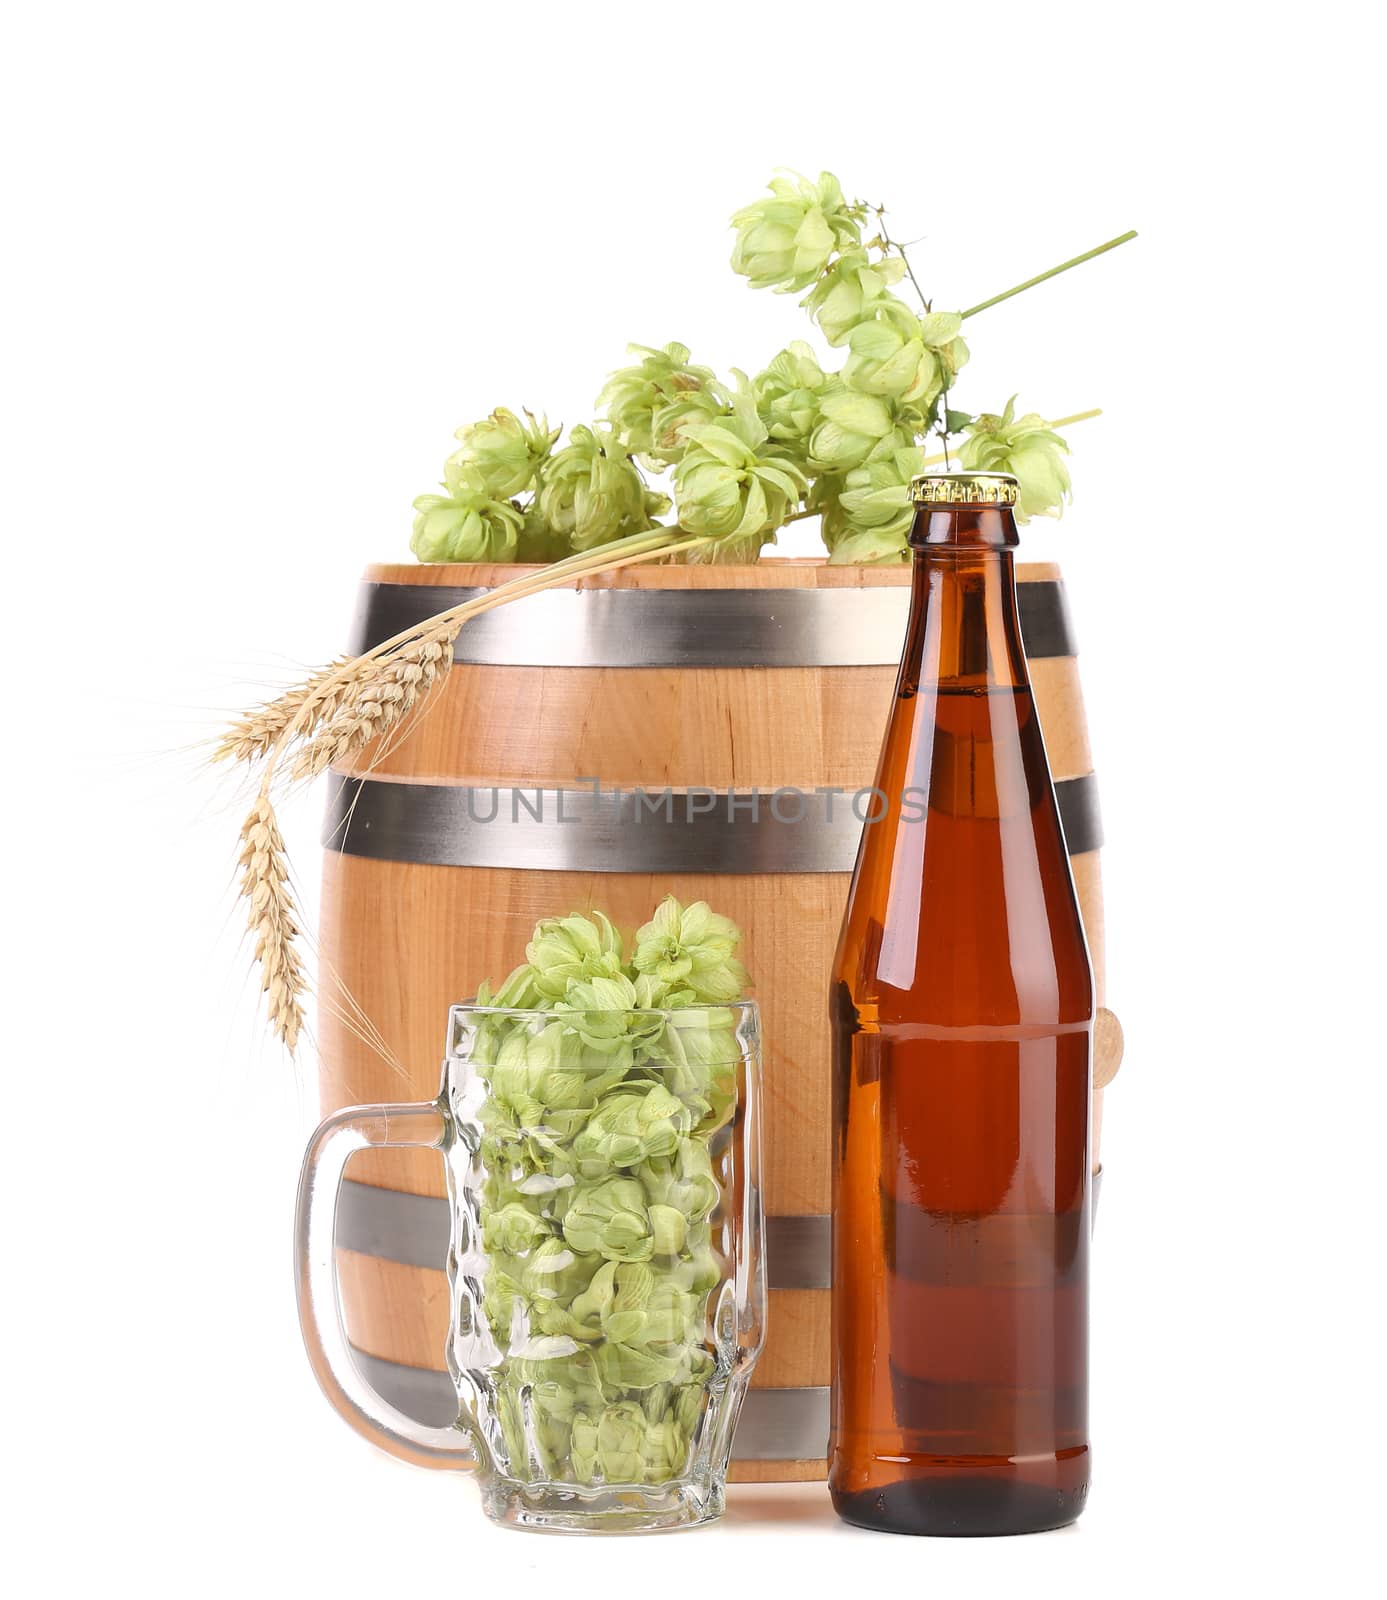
(984, 975)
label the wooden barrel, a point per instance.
(536, 784)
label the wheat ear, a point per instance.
(273, 920)
(336, 712)
(255, 733)
(374, 702)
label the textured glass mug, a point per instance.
(605, 1268)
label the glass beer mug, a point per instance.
(605, 1266)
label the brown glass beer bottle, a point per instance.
(962, 1010)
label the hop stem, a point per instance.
(1059, 422)
(1054, 272)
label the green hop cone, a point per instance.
(665, 1451)
(551, 1275)
(851, 426)
(648, 403)
(627, 1366)
(611, 1219)
(552, 1407)
(870, 517)
(669, 1229)
(513, 1229)
(702, 1051)
(848, 292)
(784, 241)
(613, 1304)
(510, 1412)
(527, 1067)
(468, 523)
(693, 946)
(603, 1013)
(538, 543)
(629, 1127)
(583, 1447)
(688, 1407)
(908, 358)
(683, 1181)
(504, 452)
(700, 1036)
(787, 396)
(654, 995)
(568, 949)
(699, 1271)
(502, 1294)
(620, 1443)
(519, 991)
(671, 422)
(1027, 448)
(591, 492)
(732, 486)
(675, 1311)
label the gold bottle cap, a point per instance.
(963, 489)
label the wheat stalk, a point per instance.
(334, 714)
(376, 700)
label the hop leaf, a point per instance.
(847, 293)
(1027, 448)
(504, 452)
(467, 524)
(786, 240)
(648, 403)
(731, 485)
(591, 492)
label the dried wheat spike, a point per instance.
(254, 734)
(380, 697)
(273, 921)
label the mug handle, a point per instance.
(423, 1125)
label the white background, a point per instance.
(261, 261)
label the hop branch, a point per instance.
(745, 459)
(843, 444)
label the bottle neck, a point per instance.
(964, 630)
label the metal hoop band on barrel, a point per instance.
(775, 1424)
(633, 830)
(659, 628)
(413, 1229)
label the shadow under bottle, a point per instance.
(962, 1009)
